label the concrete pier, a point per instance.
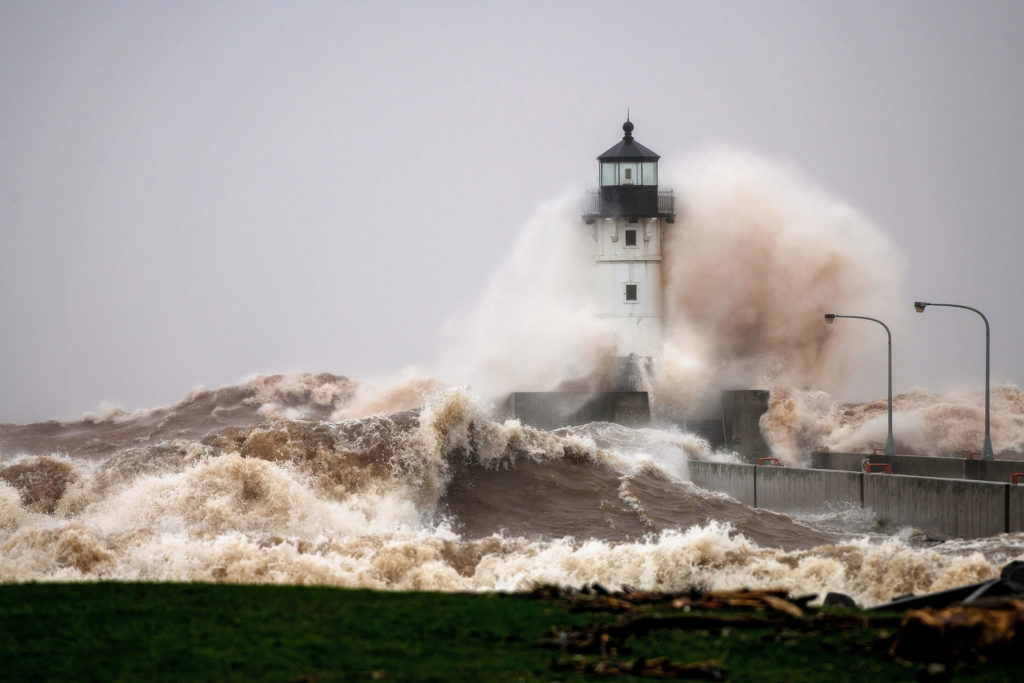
(941, 507)
(736, 480)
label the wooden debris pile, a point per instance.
(643, 612)
(943, 632)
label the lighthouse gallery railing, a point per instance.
(592, 202)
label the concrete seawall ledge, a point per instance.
(736, 480)
(802, 490)
(948, 507)
(944, 507)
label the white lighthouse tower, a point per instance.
(628, 215)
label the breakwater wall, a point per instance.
(940, 506)
(922, 465)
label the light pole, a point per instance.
(890, 446)
(986, 451)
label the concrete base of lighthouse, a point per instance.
(631, 373)
(554, 409)
(732, 424)
(622, 400)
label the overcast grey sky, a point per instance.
(191, 192)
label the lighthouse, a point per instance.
(627, 215)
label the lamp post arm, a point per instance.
(986, 451)
(890, 446)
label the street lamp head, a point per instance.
(830, 318)
(919, 306)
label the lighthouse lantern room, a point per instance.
(627, 215)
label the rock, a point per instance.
(839, 600)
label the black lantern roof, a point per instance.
(628, 149)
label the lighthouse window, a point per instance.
(630, 172)
(631, 291)
(608, 174)
(630, 238)
(650, 173)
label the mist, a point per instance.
(757, 255)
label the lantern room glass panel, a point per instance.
(609, 174)
(649, 170)
(629, 173)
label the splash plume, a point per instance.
(757, 258)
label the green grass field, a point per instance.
(202, 632)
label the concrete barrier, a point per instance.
(939, 506)
(827, 460)
(803, 490)
(945, 507)
(992, 470)
(922, 465)
(736, 480)
(913, 465)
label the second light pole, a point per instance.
(890, 445)
(986, 448)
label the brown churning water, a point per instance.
(416, 484)
(223, 487)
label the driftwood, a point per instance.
(971, 623)
(691, 611)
